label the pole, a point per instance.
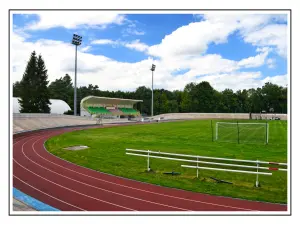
(75, 83)
(237, 123)
(216, 131)
(257, 183)
(267, 133)
(212, 131)
(197, 167)
(152, 97)
(148, 162)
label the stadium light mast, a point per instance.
(76, 41)
(152, 69)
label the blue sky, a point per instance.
(229, 51)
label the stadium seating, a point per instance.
(116, 111)
(129, 111)
(98, 110)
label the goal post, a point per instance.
(242, 132)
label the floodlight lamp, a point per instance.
(76, 39)
(153, 67)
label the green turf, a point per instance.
(242, 132)
(107, 154)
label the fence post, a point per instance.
(148, 162)
(216, 131)
(212, 131)
(237, 123)
(267, 132)
(257, 182)
(197, 166)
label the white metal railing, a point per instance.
(147, 153)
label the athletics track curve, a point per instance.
(69, 187)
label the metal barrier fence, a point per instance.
(257, 166)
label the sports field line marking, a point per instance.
(47, 194)
(95, 186)
(73, 190)
(69, 188)
(170, 196)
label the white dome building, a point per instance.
(57, 106)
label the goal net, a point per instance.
(242, 132)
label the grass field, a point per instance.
(107, 154)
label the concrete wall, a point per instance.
(217, 116)
(36, 121)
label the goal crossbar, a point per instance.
(242, 123)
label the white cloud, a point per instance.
(281, 80)
(85, 49)
(184, 48)
(235, 81)
(271, 63)
(74, 19)
(254, 61)
(103, 42)
(132, 31)
(135, 32)
(274, 35)
(137, 45)
(193, 39)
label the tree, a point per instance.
(229, 101)
(256, 100)
(203, 97)
(164, 103)
(173, 106)
(178, 98)
(34, 92)
(62, 88)
(272, 96)
(242, 101)
(16, 89)
(143, 93)
(196, 97)
(43, 91)
(283, 100)
(185, 104)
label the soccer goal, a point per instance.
(242, 132)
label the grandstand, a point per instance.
(94, 105)
(110, 110)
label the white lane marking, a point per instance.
(47, 194)
(71, 189)
(156, 193)
(170, 196)
(95, 186)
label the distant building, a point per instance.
(57, 106)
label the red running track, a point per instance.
(69, 187)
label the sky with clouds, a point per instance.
(229, 50)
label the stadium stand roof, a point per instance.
(90, 100)
(57, 106)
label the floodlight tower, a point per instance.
(76, 41)
(152, 69)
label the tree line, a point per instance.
(35, 93)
